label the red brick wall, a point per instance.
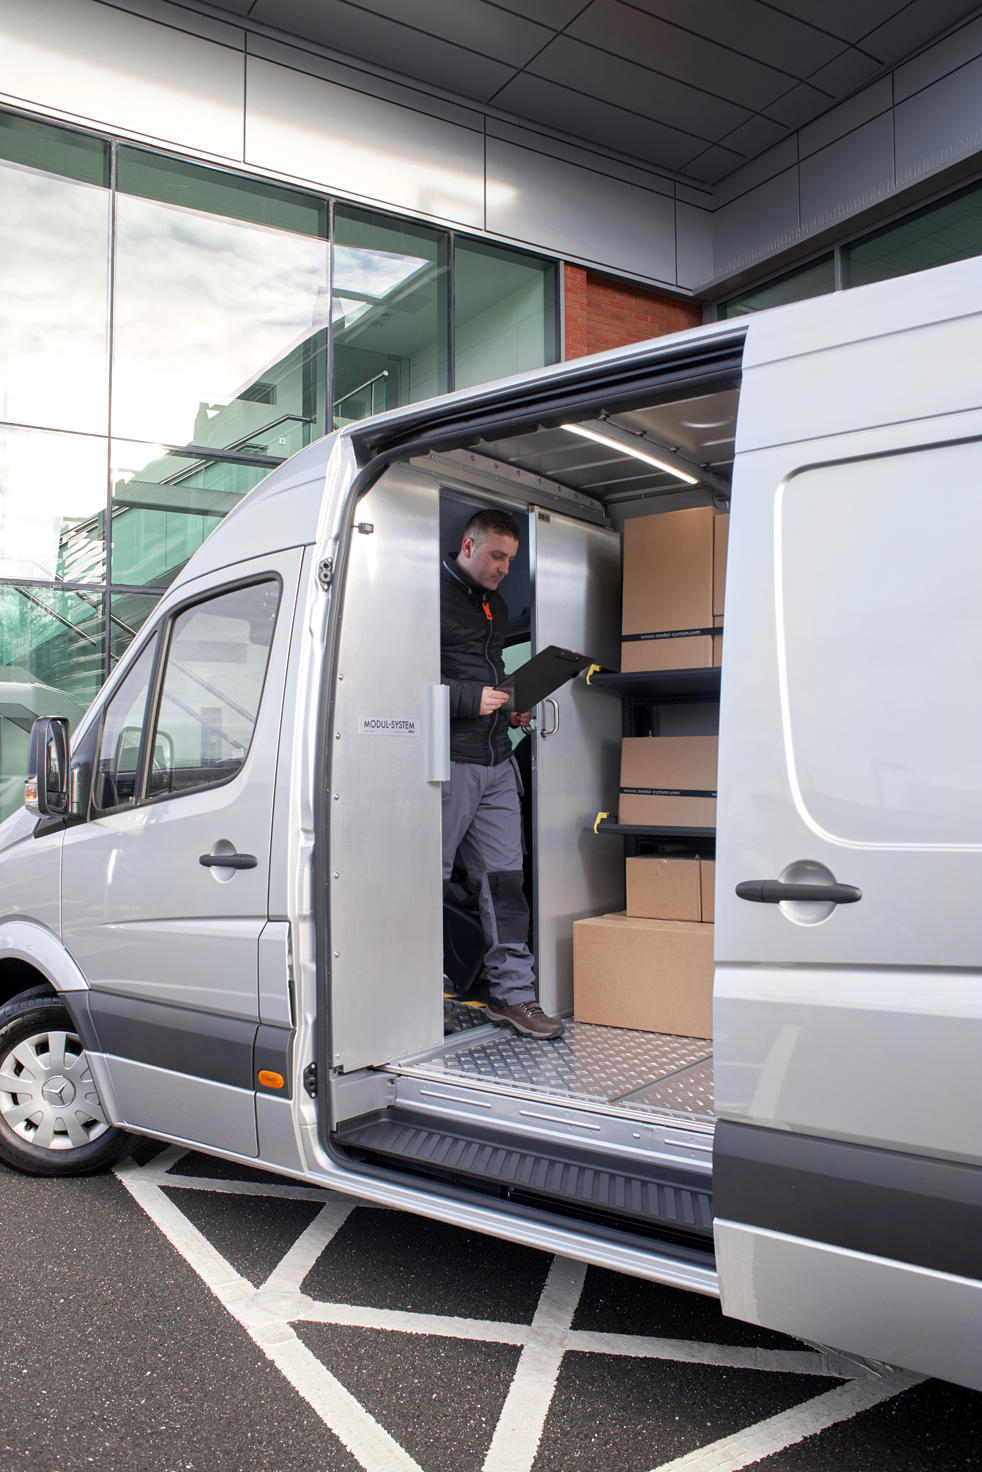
(603, 313)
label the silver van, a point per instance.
(222, 909)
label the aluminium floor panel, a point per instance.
(651, 1073)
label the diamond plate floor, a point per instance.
(653, 1073)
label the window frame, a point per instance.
(163, 632)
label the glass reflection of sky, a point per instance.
(52, 505)
(54, 324)
(205, 306)
(362, 278)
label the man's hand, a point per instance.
(492, 700)
(521, 718)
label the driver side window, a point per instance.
(119, 749)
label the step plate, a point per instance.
(673, 1201)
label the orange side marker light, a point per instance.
(271, 1080)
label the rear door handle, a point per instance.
(774, 891)
(228, 861)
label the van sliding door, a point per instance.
(384, 875)
(848, 1004)
(575, 574)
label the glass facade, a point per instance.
(949, 230)
(815, 279)
(167, 331)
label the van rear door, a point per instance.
(848, 1026)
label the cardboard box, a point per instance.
(721, 536)
(669, 781)
(652, 975)
(707, 885)
(718, 641)
(668, 590)
(663, 889)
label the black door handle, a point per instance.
(228, 861)
(773, 891)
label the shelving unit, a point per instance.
(639, 692)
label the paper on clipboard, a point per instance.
(534, 681)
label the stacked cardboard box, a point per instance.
(674, 574)
(721, 535)
(651, 968)
(669, 781)
(670, 889)
(652, 975)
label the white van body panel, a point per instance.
(850, 727)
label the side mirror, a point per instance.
(46, 790)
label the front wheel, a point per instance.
(51, 1119)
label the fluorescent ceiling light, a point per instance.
(602, 439)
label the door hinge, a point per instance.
(325, 572)
(310, 1079)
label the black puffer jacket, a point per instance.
(473, 622)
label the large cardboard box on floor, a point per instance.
(668, 590)
(651, 975)
(669, 781)
(663, 888)
(707, 886)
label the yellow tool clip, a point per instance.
(593, 670)
(596, 826)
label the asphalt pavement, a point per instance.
(182, 1315)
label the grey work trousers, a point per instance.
(483, 818)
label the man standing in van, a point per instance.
(481, 812)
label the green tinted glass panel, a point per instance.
(171, 181)
(165, 505)
(796, 286)
(389, 314)
(950, 230)
(50, 665)
(54, 150)
(52, 506)
(221, 310)
(128, 612)
(504, 313)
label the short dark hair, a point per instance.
(482, 523)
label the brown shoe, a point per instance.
(526, 1018)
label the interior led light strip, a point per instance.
(602, 439)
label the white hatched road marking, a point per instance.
(741, 1449)
(268, 1313)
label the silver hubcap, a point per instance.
(47, 1097)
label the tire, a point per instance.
(51, 1119)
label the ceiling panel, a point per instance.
(751, 28)
(754, 136)
(712, 164)
(800, 105)
(555, 13)
(597, 73)
(849, 70)
(387, 43)
(849, 19)
(599, 122)
(500, 34)
(611, 25)
(913, 25)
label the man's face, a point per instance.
(489, 561)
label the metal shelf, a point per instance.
(645, 830)
(701, 684)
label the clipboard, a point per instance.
(534, 681)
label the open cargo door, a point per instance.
(384, 870)
(848, 1022)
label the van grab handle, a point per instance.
(775, 891)
(228, 861)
